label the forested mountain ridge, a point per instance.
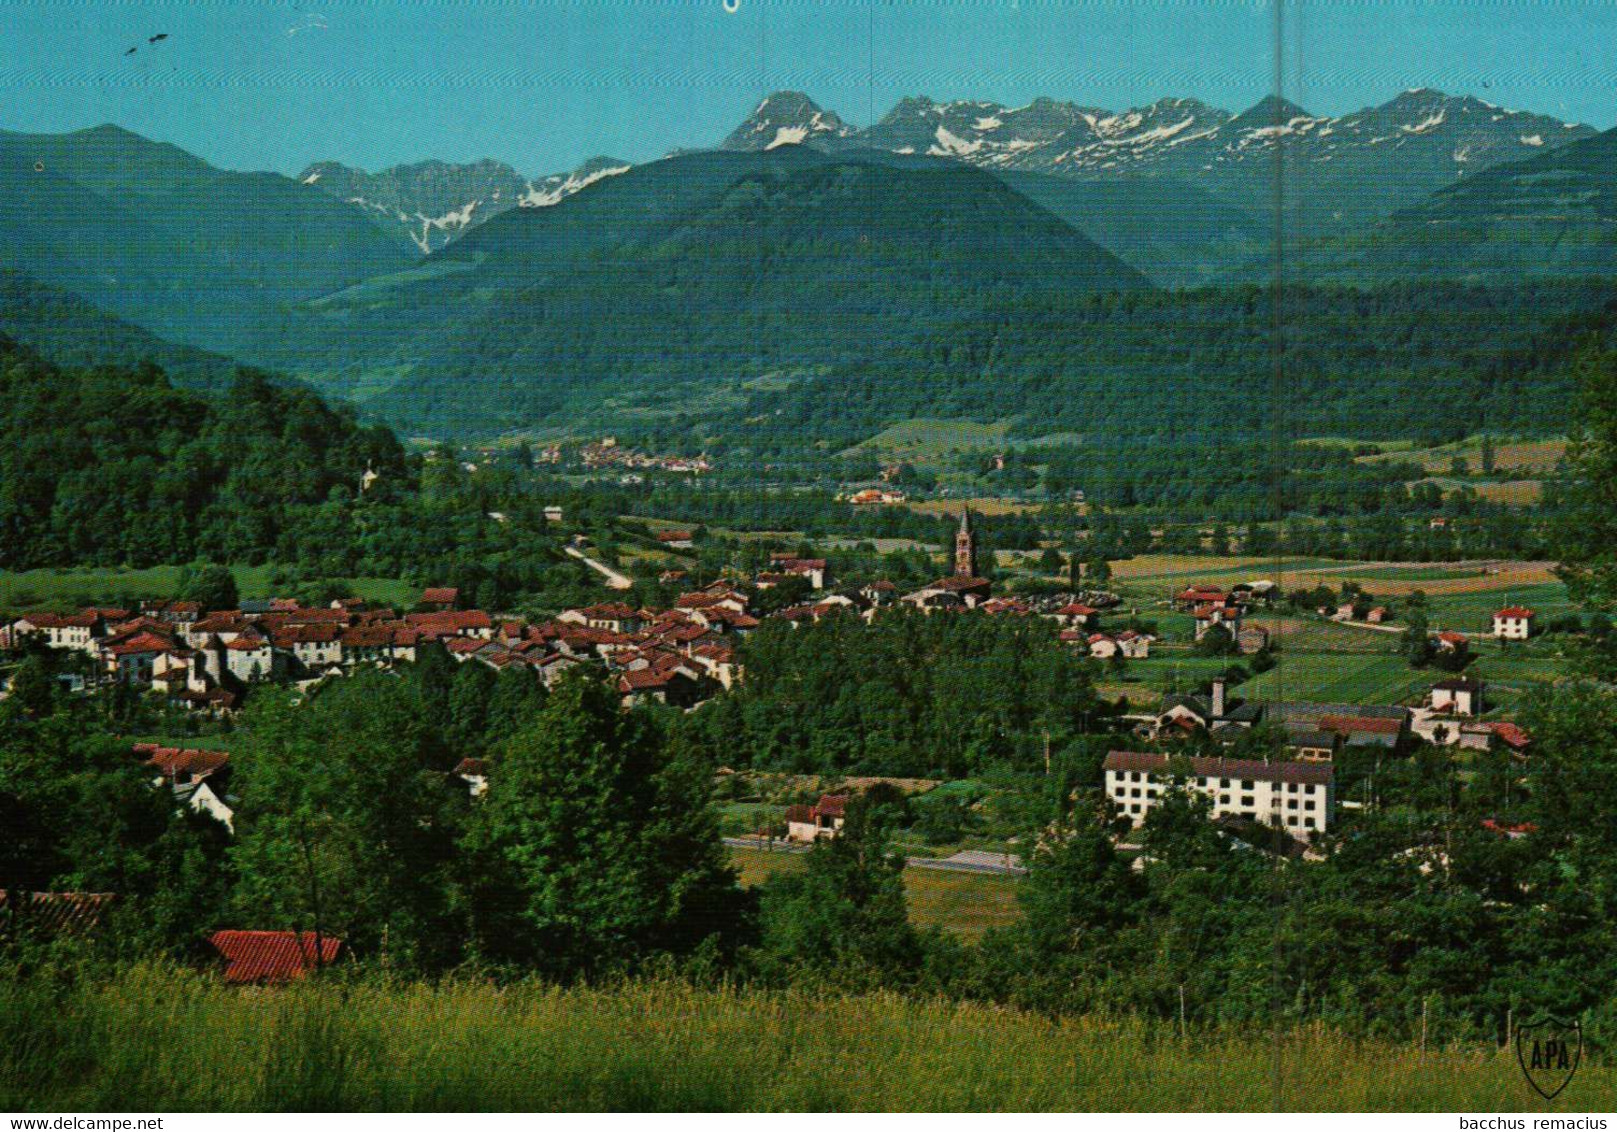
(69, 331)
(116, 465)
(1428, 361)
(156, 236)
(751, 265)
(1552, 215)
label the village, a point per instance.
(209, 662)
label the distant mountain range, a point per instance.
(1355, 166)
(1338, 173)
(957, 259)
(432, 202)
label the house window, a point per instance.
(1291, 803)
(1291, 788)
(1309, 806)
(1309, 822)
(1135, 792)
(1246, 784)
(1135, 808)
(1246, 801)
(1291, 821)
(1223, 799)
(1309, 790)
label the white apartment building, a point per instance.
(1295, 796)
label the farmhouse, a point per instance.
(1513, 623)
(822, 820)
(1459, 695)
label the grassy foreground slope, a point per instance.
(157, 1039)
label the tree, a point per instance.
(1050, 562)
(1217, 641)
(1078, 890)
(1099, 571)
(1585, 531)
(845, 910)
(210, 586)
(596, 845)
(346, 827)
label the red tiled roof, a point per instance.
(175, 761)
(451, 620)
(322, 615)
(1510, 733)
(141, 642)
(609, 611)
(474, 767)
(958, 583)
(642, 679)
(1361, 724)
(440, 595)
(673, 536)
(311, 634)
(1224, 768)
(272, 957)
(55, 913)
(1515, 611)
(367, 636)
(832, 805)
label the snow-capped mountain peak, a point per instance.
(431, 203)
(787, 118)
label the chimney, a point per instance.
(1218, 698)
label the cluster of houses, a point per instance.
(608, 453)
(1213, 607)
(210, 659)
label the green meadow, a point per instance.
(71, 587)
(152, 1038)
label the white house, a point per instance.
(822, 820)
(249, 657)
(1459, 695)
(1210, 615)
(78, 631)
(1513, 623)
(1135, 646)
(1295, 796)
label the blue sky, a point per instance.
(276, 84)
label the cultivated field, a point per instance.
(73, 587)
(169, 1039)
(965, 904)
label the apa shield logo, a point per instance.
(1548, 1050)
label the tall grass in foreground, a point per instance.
(162, 1039)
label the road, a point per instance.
(966, 861)
(614, 580)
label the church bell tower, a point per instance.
(965, 547)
